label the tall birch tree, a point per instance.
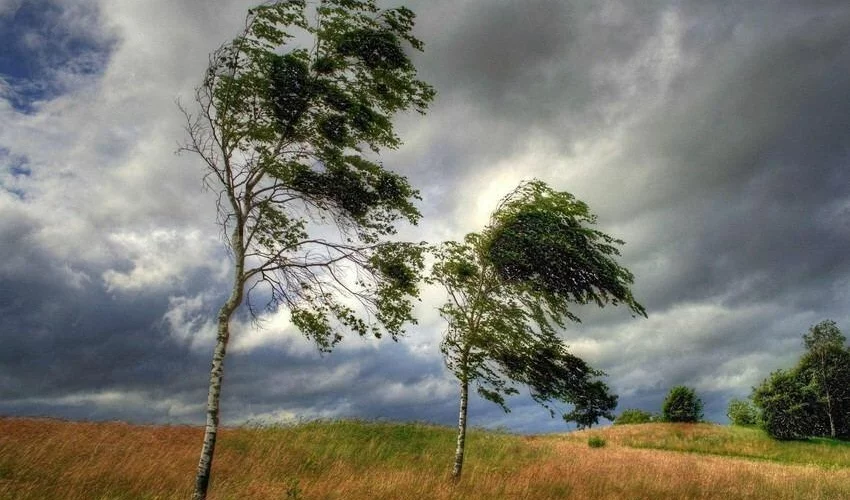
(289, 120)
(509, 289)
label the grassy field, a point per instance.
(47, 459)
(728, 441)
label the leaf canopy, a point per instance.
(542, 241)
(293, 113)
(813, 397)
(509, 291)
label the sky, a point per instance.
(713, 137)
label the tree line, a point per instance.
(811, 399)
(289, 121)
(680, 405)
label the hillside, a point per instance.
(42, 458)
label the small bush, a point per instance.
(634, 416)
(595, 442)
(742, 412)
(682, 405)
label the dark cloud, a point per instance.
(749, 158)
(712, 136)
(503, 70)
(80, 339)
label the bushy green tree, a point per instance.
(813, 398)
(825, 369)
(788, 407)
(503, 316)
(742, 412)
(281, 121)
(634, 416)
(682, 405)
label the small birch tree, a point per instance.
(289, 119)
(509, 290)
(826, 369)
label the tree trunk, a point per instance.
(829, 413)
(825, 387)
(461, 428)
(216, 374)
(202, 479)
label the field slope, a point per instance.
(41, 459)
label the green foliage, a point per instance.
(542, 241)
(427, 446)
(284, 114)
(786, 406)
(502, 327)
(823, 336)
(634, 416)
(596, 442)
(286, 111)
(742, 412)
(590, 405)
(682, 405)
(813, 398)
(825, 370)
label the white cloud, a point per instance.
(738, 374)
(271, 329)
(427, 389)
(160, 258)
(125, 400)
(191, 322)
(291, 415)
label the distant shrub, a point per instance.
(595, 442)
(682, 405)
(634, 416)
(742, 412)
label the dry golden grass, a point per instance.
(742, 442)
(667, 474)
(46, 459)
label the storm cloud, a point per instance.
(713, 137)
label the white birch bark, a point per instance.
(829, 412)
(461, 428)
(202, 479)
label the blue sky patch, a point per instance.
(45, 42)
(12, 169)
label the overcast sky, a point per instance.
(713, 137)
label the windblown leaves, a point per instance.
(293, 114)
(511, 286)
(541, 239)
